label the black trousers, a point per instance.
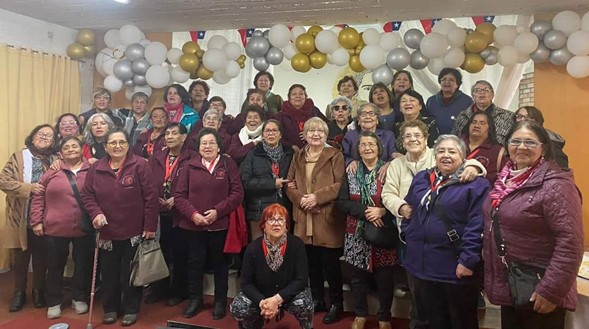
(57, 253)
(383, 277)
(529, 319)
(448, 305)
(324, 264)
(175, 252)
(115, 268)
(198, 243)
(20, 263)
(417, 315)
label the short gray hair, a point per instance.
(459, 142)
(483, 82)
(140, 94)
(212, 112)
(341, 99)
(372, 105)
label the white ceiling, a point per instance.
(190, 15)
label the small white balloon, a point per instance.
(336, 29)
(578, 67)
(179, 75)
(279, 35)
(118, 52)
(129, 93)
(173, 55)
(232, 51)
(144, 89)
(111, 38)
(232, 69)
(444, 26)
(220, 77)
(507, 55)
(112, 84)
(157, 76)
(505, 35)
(526, 43)
(567, 21)
(144, 42)
(389, 40)
(456, 37)
(295, 32)
(326, 41)
(214, 59)
(436, 65)
(289, 51)
(108, 66)
(129, 34)
(340, 57)
(216, 42)
(433, 45)
(155, 53)
(454, 57)
(371, 37)
(578, 43)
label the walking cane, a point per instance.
(93, 286)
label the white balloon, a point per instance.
(454, 57)
(566, 21)
(326, 41)
(336, 30)
(578, 43)
(444, 26)
(526, 43)
(101, 58)
(232, 69)
(295, 32)
(144, 42)
(173, 55)
(112, 84)
(456, 37)
(279, 35)
(371, 37)
(507, 55)
(372, 57)
(179, 75)
(129, 93)
(129, 34)
(522, 58)
(504, 35)
(157, 76)
(220, 77)
(389, 40)
(118, 52)
(108, 66)
(436, 65)
(144, 89)
(214, 59)
(433, 45)
(216, 42)
(578, 67)
(521, 29)
(289, 51)
(155, 53)
(340, 57)
(232, 51)
(585, 22)
(111, 38)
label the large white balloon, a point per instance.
(144, 89)
(372, 57)
(433, 45)
(326, 41)
(108, 66)
(507, 55)
(585, 22)
(279, 35)
(504, 35)
(566, 21)
(526, 43)
(129, 34)
(289, 51)
(578, 67)
(454, 57)
(111, 38)
(157, 76)
(179, 75)
(389, 40)
(436, 65)
(112, 84)
(456, 37)
(155, 53)
(173, 55)
(295, 32)
(371, 37)
(220, 77)
(216, 42)
(444, 26)
(578, 43)
(214, 60)
(232, 51)
(340, 57)
(232, 69)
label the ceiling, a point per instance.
(190, 15)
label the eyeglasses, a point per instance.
(481, 91)
(415, 136)
(67, 123)
(43, 135)
(523, 117)
(208, 144)
(102, 98)
(276, 221)
(338, 107)
(367, 145)
(528, 143)
(315, 130)
(367, 114)
(271, 131)
(211, 119)
(117, 143)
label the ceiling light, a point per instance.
(123, 1)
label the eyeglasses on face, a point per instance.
(316, 130)
(529, 143)
(340, 107)
(523, 117)
(481, 90)
(367, 114)
(208, 143)
(271, 131)
(44, 135)
(276, 221)
(367, 145)
(102, 98)
(67, 123)
(415, 136)
(117, 143)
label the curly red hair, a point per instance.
(275, 209)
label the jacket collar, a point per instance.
(103, 164)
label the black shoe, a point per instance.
(39, 298)
(481, 302)
(334, 314)
(194, 306)
(175, 300)
(219, 310)
(319, 306)
(18, 301)
(109, 317)
(129, 320)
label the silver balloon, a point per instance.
(540, 28)
(122, 70)
(489, 50)
(135, 51)
(412, 38)
(140, 66)
(398, 58)
(492, 58)
(266, 33)
(128, 83)
(541, 54)
(257, 47)
(418, 60)
(261, 64)
(560, 56)
(274, 56)
(139, 80)
(382, 74)
(257, 33)
(555, 39)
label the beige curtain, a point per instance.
(35, 88)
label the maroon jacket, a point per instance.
(140, 147)
(488, 155)
(291, 128)
(56, 208)
(129, 201)
(198, 191)
(238, 151)
(541, 224)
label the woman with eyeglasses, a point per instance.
(98, 127)
(212, 119)
(20, 180)
(537, 208)
(316, 173)
(102, 104)
(340, 110)
(152, 141)
(413, 108)
(122, 202)
(67, 126)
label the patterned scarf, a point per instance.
(511, 179)
(274, 252)
(275, 153)
(365, 180)
(177, 109)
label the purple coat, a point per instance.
(541, 224)
(198, 191)
(387, 138)
(129, 201)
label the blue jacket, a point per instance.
(445, 115)
(189, 117)
(430, 254)
(387, 138)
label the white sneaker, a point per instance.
(79, 307)
(54, 312)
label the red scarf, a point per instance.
(301, 115)
(501, 190)
(178, 110)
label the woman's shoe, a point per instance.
(18, 301)
(319, 306)
(79, 307)
(39, 298)
(358, 323)
(129, 320)
(194, 306)
(219, 311)
(334, 314)
(384, 325)
(109, 318)
(54, 312)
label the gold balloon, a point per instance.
(241, 59)
(189, 62)
(190, 47)
(76, 51)
(314, 30)
(204, 73)
(200, 53)
(194, 75)
(487, 29)
(305, 43)
(355, 64)
(90, 51)
(352, 52)
(241, 65)
(475, 42)
(473, 63)
(300, 62)
(358, 50)
(361, 41)
(349, 38)
(318, 59)
(85, 37)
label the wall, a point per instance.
(526, 90)
(563, 101)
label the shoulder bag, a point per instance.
(148, 265)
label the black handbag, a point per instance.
(522, 278)
(384, 237)
(85, 221)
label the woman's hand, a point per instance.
(270, 306)
(541, 304)
(462, 271)
(308, 201)
(382, 172)
(169, 203)
(56, 164)
(469, 174)
(99, 221)
(292, 185)
(198, 219)
(148, 235)
(374, 213)
(37, 188)
(352, 167)
(281, 181)
(38, 229)
(210, 216)
(92, 160)
(405, 211)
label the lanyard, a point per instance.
(170, 168)
(275, 169)
(150, 145)
(473, 154)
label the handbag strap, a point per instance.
(499, 242)
(450, 231)
(70, 178)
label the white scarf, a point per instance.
(246, 136)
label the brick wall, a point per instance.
(526, 90)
